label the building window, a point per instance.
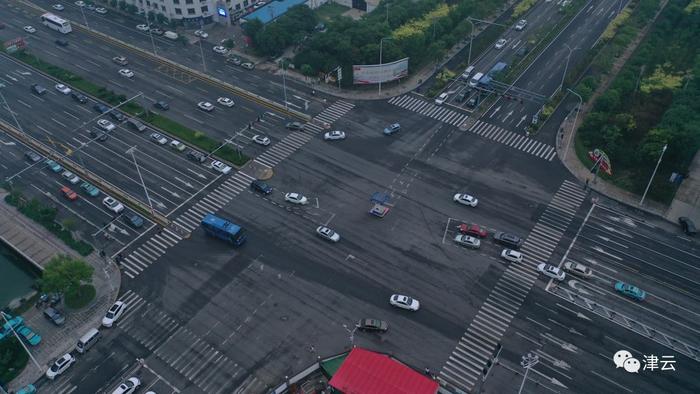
(178, 11)
(176, 1)
(238, 7)
(190, 11)
(189, 1)
(245, 3)
(205, 9)
(162, 7)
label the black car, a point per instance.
(462, 96)
(161, 105)
(372, 325)
(194, 155)
(294, 126)
(78, 97)
(473, 102)
(32, 156)
(100, 135)
(687, 225)
(507, 239)
(38, 89)
(260, 187)
(118, 116)
(133, 220)
(55, 316)
(100, 108)
(61, 42)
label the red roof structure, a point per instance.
(367, 372)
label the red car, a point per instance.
(473, 229)
(68, 193)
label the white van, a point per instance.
(475, 80)
(171, 35)
(87, 340)
(467, 73)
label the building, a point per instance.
(196, 12)
(272, 10)
(362, 5)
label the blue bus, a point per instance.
(223, 229)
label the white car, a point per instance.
(113, 205)
(60, 366)
(125, 72)
(551, 271)
(220, 50)
(577, 269)
(70, 177)
(177, 145)
(465, 199)
(468, 241)
(205, 106)
(521, 24)
(101, 10)
(441, 99)
(225, 101)
(129, 386)
(404, 302)
(201, 33)
(142, 27)
(158, 139)
(296, 198)
(113, 314)
(80, 3)
(327, 233)
(512, 255)
(261, 140)
(29, 29)
(58, 7)
(220, 167)
(500, 43)
(106, 125)
(334, 135)
(62, 88)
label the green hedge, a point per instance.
(13, 359)
(81, 298)
(46, 216)
(196, 138)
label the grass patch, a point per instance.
(81, 298)
(184, 133)
(328, 11)
(13, 359)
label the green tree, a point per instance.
(307, 70)
(228, 43)
(162, 19)
(66, 275)
(132, 9)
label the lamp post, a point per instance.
(148, 24)
(528, 361)
(566, 67)
(381, 68)
(641, 202)
(82, 11)
(573, 126)
(352, 334)
(145, 189)
(471, 40)
(20, 341)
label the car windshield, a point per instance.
(110, 315)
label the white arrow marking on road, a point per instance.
(7, 143)
(292, 104)
(578, 314)
(196, 173)
(600, 250)
(521, 120)
(582, 316)
(572, 284)
(158, 203)
(614, 230)
(184, 182)
(172, 193)
(317, 203)
(507, 116)
(24, 73)
(113, 227)
(606, 239)
(558, 383)
(301, 98)
(494, 111)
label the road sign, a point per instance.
(18, 42)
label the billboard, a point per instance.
(374, 73)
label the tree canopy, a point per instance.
(66, 275)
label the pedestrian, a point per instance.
(586, 185)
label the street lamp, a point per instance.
(145, 189)
(352, 334)
(20, 341)
(84, 18)
(471, 40)
(561, 86)
(528, 361)
(381, 43)
(573, 126)
(641, 202)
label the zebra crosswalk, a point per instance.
(514, 140)
(183, 350)
(295, 140)
(441, 113)
(476, 347)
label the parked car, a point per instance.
(510, 240)
(201, 34)
(630, 291)
(101, 10)
(197, 156)
(220, 167)
(62, 88)
(38, 89)
(221, 50)
(205, 106)
(577, 269)
(113, 205)
(55, 316)
(142, 27)
(372, 325)
(392, 128)
(70, 177)
(68, 193)
(79, 97)
(158, 139)
(125, 72)
(327, 234)
(512, 255)
(404, 302)
(521, 24)
(113, 314)
(687, 225)
(236, 61)
(136, 125)
(91, 190)
(157, 31)
(177, 145)
(133, 219)
(120, 60)
(465, 199)
(296, 198)
(32, 156)
(29, 335)
(29, 29)
(473, 229)
(58, 7)
(225, 101)
(467, 241)
(106, 125)
(53, 166)
(260, 186)
(500, 43)
(248, 65)
(551, 271)
(60, 366)
(162, 105)
(100, 108)
(128, 386)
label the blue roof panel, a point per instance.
(272, 10)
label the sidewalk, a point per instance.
(38, 245)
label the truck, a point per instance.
(223, 229)
(499, 67)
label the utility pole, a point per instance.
(381, 68)
(528, 361)
(641, 202)
(131, 150)
(573, 125)
(21, 342)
